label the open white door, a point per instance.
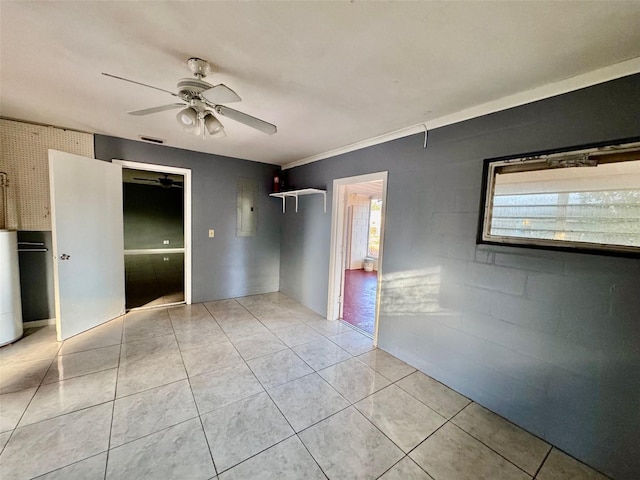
(88, 241)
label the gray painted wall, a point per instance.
(152, 214)
(36, 277)
(550, 340)
(224, 266)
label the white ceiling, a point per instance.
(366, 189)
(328, 74)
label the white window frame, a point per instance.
(371, 200)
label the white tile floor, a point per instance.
(257, 387)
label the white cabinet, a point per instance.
(10, 305)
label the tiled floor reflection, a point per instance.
(253, 388)
(154, 279)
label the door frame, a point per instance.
(337, 252)
(186, 173)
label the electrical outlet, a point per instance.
(211, 233)
(165, 242)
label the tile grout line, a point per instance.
(423, 403)
(294, 433)
(128, 442)
(31, 399)
(79, 376)
(258, 453)
(543, 462)
(264, 390)
(506, 420)
(391, 467)
(87, 349)
(204, 433)
(418, 445)
(488, 446)
(67, 413)
(407, 454)
(450, 420)
(350, 404)
(404, 454)
(115, 393)
(277, 407)
(73, 463)
(195, 403)
(553, 447)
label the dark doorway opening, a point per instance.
(153, 238)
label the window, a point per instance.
(584, 199)
(375, 217)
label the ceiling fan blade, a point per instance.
(147, 111)
(248, 120)
(220, 94)
(139, 83)
(145, 179)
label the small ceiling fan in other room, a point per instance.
(165, 182)
(199, 101)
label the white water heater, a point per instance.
(10, 305)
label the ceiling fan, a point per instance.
(201, 100)
(165, 182)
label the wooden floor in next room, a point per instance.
(360, 288)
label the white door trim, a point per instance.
(186, 172)
(336, 259)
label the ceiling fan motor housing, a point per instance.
(190, 88)
(200, 68)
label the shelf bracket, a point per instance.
(297, 193)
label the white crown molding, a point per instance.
(594, 77)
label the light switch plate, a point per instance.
(211, 233)
(165, 242)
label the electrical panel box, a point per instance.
(247, 207)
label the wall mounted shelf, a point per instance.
(296, 193)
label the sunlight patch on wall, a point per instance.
(411, 292)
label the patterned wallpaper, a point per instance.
(24, 157)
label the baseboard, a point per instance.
(39, 323)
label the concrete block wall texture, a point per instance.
(550, 340)
(225, 266)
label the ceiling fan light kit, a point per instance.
(212, 123)
(201, 100)
(188, 119)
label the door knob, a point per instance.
(64, 256)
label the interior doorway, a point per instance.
(356, 250)
(156, 211)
